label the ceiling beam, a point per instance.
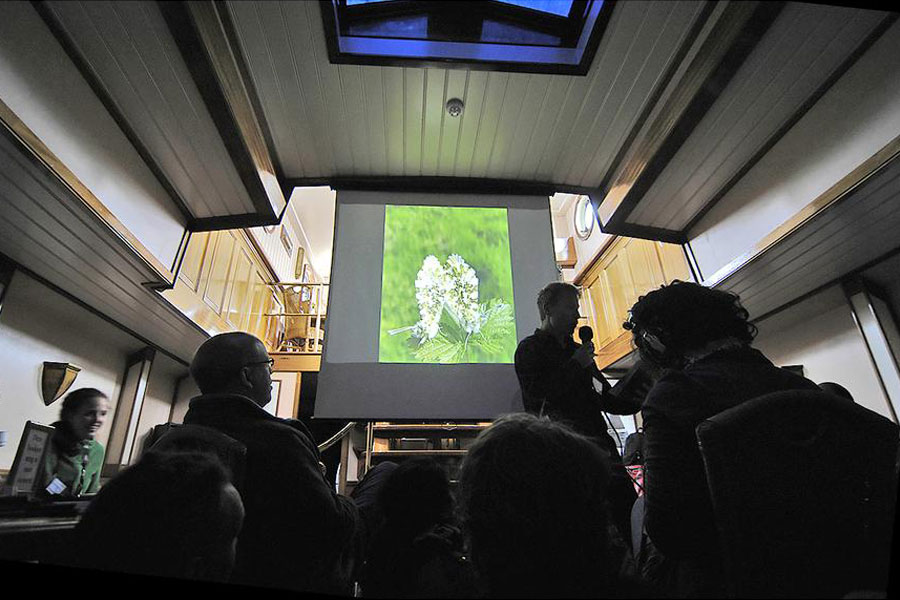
(733, 37)
(206, 38)
(849, 61)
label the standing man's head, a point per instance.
(558, 307)
(84, 412)
(234, 363)
(684, 320)
(533, 497)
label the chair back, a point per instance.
(803, 487)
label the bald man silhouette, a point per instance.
(298, 533)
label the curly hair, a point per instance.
(681, 317)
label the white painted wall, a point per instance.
(44, 88)
(37, 325)
(850, 123)
(820, 334)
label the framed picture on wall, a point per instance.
(305, 275)
(286, 241)
(272, 406)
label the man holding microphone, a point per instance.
(557, 377)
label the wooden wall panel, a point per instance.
(224, 288)
(628, 268)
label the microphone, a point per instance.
(585, 334)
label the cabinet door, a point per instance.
(219, 271)
(674, 263)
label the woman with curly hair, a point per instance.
(698, 341)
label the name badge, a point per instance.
(56, 486)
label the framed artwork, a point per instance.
(272, 406)
(305, 275)
(286, 241)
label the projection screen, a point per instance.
(429, 295)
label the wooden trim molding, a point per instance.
(610, 353)
(825, 200)
(32, 146)
(598, 255)
(734, 36)
(438, 185)
(205, 37)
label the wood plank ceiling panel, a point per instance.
(532, 127)
(48, 231)
(843, 238)
(804, 46)
(131, 53)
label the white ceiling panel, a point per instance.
(803, 47)
(45, 229)
(130, 51)
(347, 120)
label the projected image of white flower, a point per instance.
(454, 325)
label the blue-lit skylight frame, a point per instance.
(349, 49)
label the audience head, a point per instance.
(836, 389)
(84, 412)
(558, 307)
(681, 319)
(234, 363)
(416, 496)
(171, 514)
(533, 502)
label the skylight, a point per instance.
(545, 36)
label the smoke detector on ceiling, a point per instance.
(454, 107)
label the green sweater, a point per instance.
(67, 467)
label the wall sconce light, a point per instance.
(56, 378)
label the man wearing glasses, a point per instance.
(297, 531)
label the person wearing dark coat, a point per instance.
(298, 533)
(557, 375)
(699, 341)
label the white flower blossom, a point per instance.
(455, 285)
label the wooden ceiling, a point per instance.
(233, 104)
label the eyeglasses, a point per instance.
(270, 361)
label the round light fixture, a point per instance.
(454, 107)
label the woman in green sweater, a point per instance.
(74, 459)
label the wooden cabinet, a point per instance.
(626, 269)
(222, 286)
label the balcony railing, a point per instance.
(301, 316)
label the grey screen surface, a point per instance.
(352, 383)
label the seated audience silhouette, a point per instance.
(836, 389)
(417, 550)
(173, 515)
(298, 533)
(533, 498)
(698, 339)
